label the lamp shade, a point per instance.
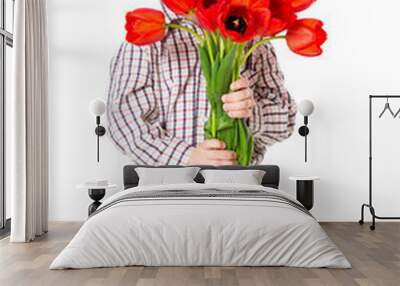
(97, 107)
(306, 107)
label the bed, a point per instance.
(198, 224)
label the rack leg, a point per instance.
(372, 210)
(374, 216)
(361, 221)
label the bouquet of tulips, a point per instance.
(227, 27)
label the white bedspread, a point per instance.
(200, 231)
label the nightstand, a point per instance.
(305, 190)
(96, 193)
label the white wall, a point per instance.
(361, 58)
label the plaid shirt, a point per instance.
(157, 103)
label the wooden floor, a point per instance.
(375, 257)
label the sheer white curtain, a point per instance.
(27, 135)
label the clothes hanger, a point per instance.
(387, 107)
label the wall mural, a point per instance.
(199, 82)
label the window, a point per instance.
(6, 44)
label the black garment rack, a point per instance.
(370, 204)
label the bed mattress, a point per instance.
(201, 225)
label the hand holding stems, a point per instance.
(212, 152)
(237, 104)
(240, 102)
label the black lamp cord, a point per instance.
(305, 138)
(98, 138)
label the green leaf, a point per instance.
(224, 121)
(244, 148)
(225, 71)
(212, 93)
(213, 45)
(207, 130)
(228, 136)
(205, 63)
(250, 158)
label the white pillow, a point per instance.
(246, 177)
(166, 176)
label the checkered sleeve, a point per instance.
(274, 116)
(133, 112)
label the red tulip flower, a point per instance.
(242, 20)
(262, 12)
(207, 13)
(305, 37)
(237, 23)
(181, 7)
(145, 26)
(300, 5)
(283, 15)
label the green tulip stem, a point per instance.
(214, 36)
(214, 123)
(236, 65)
(239, 64)
(221, 48)
(256, 45)
(191, 31)
(209, 48)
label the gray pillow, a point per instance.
(246, 177)
(166, 176)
